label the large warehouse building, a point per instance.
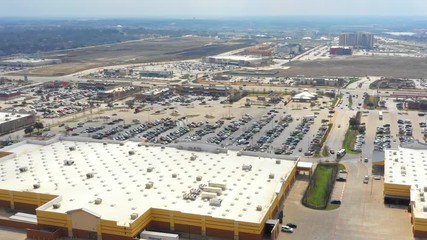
(110, 191)
(405, 171)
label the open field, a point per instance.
(152, 50)
(404, 67)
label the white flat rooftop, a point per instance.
(120, 179)
(7, 116)
(408, 166)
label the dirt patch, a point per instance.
(402, 67)
(143, 51)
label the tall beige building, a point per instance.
(362, 40)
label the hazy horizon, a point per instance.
(209, 8)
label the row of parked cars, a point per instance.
(382, 138)
(360, 140)
(207, 129)
(405, 127)
(172, 136)
(228, 130)
(315, 142)
(243, 139)
(295, 137)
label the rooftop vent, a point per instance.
(271, 175)
(68, 162)
(259, 208)
(98, 201)
(72, 148)
(223, 186)
(23, 169)
(89, 175)
(131, 152)
(36, 185)
(215, 202)
(105, 143)
(246, 167)
(149, 185)
(134, 216)
(56, 205)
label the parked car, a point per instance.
(291, 225)
(336, 202)
(287, 229)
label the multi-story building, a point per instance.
(362, 40)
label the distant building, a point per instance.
(156, 74)
(153, 95)
(361, 40)
(236, 60)
(340, 50)
(109, 91)
(13, 121)
(305, 97)
(207, 90)
(321, 81)
(28, 62)
(7, 95)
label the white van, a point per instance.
(341, 153)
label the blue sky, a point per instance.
(209, 8)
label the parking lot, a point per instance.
(362, 214)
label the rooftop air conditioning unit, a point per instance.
(277, 161)
(68, 162)
(238, 154)
(122, 144)
(271, 175)
(89, 175)
(72, 148)
(247, 167)
(105, 143)
(134, 216)
(23, 169)
(422, 199)
(174, 175)
(193, 157)
(259, 208)
(150, 169)
(199, 178)
(149, 185)
(139, 144)
(215, 202)
(131, 152)
(56, 205)
(98, 201)
(36, 185)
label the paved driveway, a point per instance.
(362, 214)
